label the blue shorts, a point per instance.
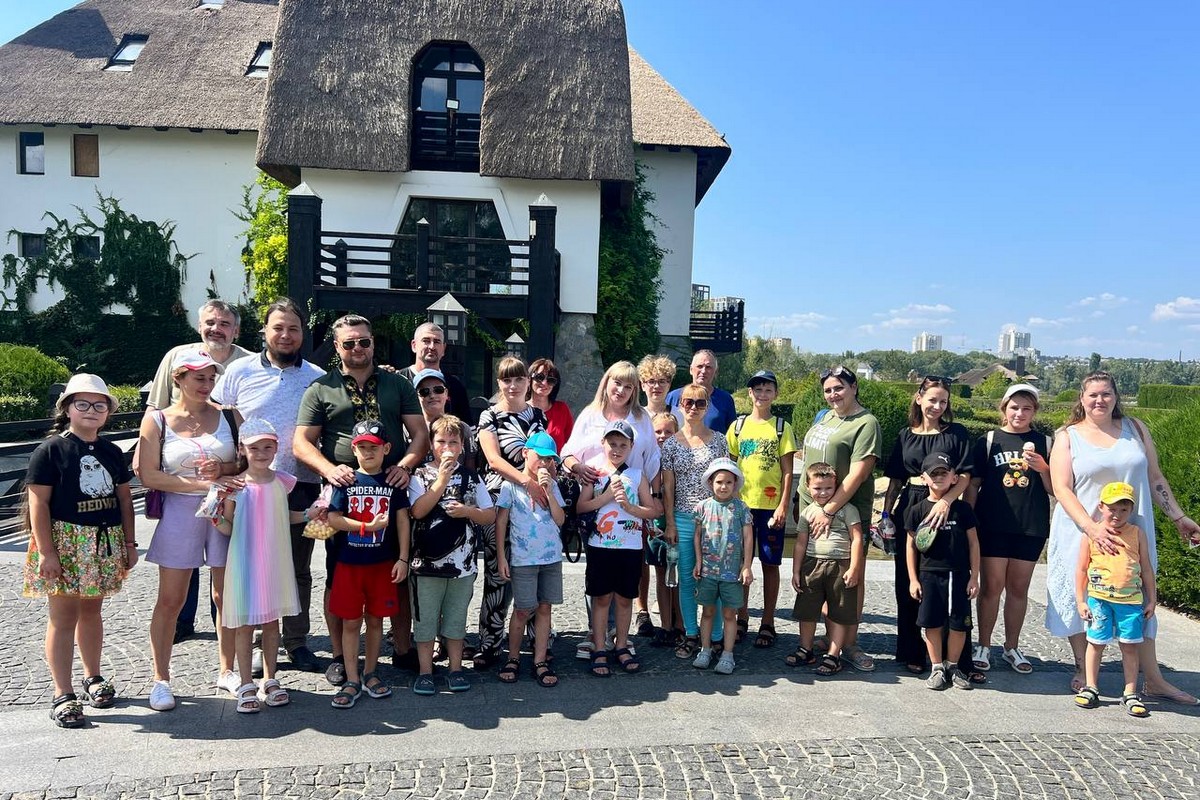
(768, 541)
(1122, 621)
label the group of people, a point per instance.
(254, 457)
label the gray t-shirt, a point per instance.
(836, 544)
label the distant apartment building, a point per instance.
(926, 342)
(780, 342)
(1014, 342)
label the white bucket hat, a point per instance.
(725, 465)
(85, 383)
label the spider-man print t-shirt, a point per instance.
(368, 496)
(511, 429)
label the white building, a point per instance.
(1014, 342)
(172, 107)
(926, 342)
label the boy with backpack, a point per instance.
(763, 446)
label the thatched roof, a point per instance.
(556, 98)
(661, 116)
(191, 73)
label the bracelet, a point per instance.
(827, 514)
(1176, 520)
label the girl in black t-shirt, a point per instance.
(1013, 507)
(81, 545)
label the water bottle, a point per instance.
(672, 578)
(887, 531)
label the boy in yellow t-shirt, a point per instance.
(1116, 594)
(763, 447)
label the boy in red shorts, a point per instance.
(372, 556)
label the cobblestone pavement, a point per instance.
(1051, 767)
(878, 736)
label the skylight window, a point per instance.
(127, 53)
(261, 61)
(210, 4)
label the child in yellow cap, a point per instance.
(1115, 593)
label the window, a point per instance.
(86, 248)
(460, 266)
(85, 155)
(210, 4)
(127, 53)
(31, 245)
(261, 61)
(447, 103)
(32, 153)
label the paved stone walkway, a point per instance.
(673, 732)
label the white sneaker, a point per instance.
(703, 658)
(229, 682)
(725, 664)
(161, 697)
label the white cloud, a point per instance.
(1107, 300)
(913, 315)
(914, 322)
(784, 323)
(1187, 308)
(1043, 322)
(1133, 330)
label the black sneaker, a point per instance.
(407, 661)
(303, 660)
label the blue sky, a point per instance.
(941, 166)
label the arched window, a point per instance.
(447, 99)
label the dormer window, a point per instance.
(447, 102)
(127, 53)
(261, 61)
(210, 4)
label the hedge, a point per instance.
(1175, 437)
(1158, 395)
(16, 407)
(26, 371)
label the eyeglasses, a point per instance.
(694, 403)
(539, 377)
(429, 390)
(837, 372)
(349, 344)
(100, 406)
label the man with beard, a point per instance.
(270, 386)
(331, 407)
(429, 348)
(219, 326)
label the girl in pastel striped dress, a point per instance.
(260, 584)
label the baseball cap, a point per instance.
(369, 430)
(1020, 387)
(193, 360)
(542, 443)
(1115, 492)
(254, 429)
(427, 373)
(619, 426)
(936, 460)
(724, 465)
(762, 376)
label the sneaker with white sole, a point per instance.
(981, 657)
(229, 681)
(937, 679)
(161, 696)
(583, 650)
(725, 664)
(958, 680)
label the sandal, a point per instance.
(688, 648)
(664, 638)
(424, 685)
(335, 673)
(821, 645)
(977, 678)
(645, 627)
(856, 657)
(510, 671)
(981, 657)
(347, 695)
(98, 692)
(1087, 697)
(273, 694)
(803, 657)
(374, 686)
(439, 651)
(766, 637)
(743, 627)
(484, 659)
(544, 675)
(1134, 706)
(67, 712)
(829, 665)
(457, 681)
(600, 662)
(1017, 660)
(627, 660)
(247, 699)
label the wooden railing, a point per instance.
(719, 331)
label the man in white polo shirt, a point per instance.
(269, 386)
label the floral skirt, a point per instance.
(94, 561)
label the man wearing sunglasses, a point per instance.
(429, 348)
(721, 412)
(329, 410)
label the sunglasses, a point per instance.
(837, 372)
(697, 403)
(349, 344)
(931, 379)
(426, 391)
(539, 377)
(100, 406)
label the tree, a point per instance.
(1094, 362)
(265, 256)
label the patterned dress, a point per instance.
(260, 582)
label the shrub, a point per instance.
(26, 371)
(129, 398)
(1067, 396)
(16, 407)
(1175, 437)
(1167, 396)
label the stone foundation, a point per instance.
(578, 359)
